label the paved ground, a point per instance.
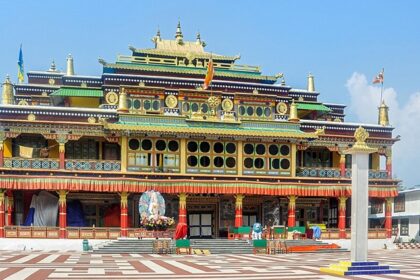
(68, 265)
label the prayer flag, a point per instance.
(21, 75)
(379, 78)
(209, 74)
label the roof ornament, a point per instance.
(70, 66)
(7, 93)
(311, 83)
(53, 68)
(293, 115)
(178, 35)
(283, 82)
(198, 41)
(383, 118)
(157, 37)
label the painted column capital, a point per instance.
(182, 200)
(239, 201)
(124, 199)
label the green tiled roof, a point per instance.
(189, 70)
(313, 107)
(78, 92)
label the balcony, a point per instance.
(92, 165)
(31, 163)
(335, 173)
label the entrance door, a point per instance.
(200, 225)
(249, 219)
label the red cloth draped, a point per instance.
(180, 231)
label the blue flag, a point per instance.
(21, 74)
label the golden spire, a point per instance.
(293, 115)
(178, 35)
(53, 68)
(122, 103)
(157, 37)
(198, 41)
(70, 66)
(383, 118)
(7, 91)
(311, 83)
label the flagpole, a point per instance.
(382, 86)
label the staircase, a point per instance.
(223, 246)
(215, 246)
(125, 245)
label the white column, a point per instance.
(359, 195)
(359, 206)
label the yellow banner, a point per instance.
(26, 152)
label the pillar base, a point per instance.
(344, 268)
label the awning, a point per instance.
(78, 92)
(313, 107)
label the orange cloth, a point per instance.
(209, 74)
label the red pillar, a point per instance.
(389, 166)
(124, 214)
(61, 154)
(238, 210)
(291, 220)
(182, 210)
(342, 165)
(1, 214)
(342, 216)
(388, 217)
(1, 153)
(62, 208)
(9, 207)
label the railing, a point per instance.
(373, 233)
(319, 172)
(83, 232)
(31, 163)
(93, 165)
(335, 173)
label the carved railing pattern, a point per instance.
(93, 165)
(31, 163)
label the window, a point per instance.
(404, 227)
(156, 155)
(394, 227)
(399, 203)
(211, 157)
(82, 149)
(376, 206)
(269, 159)
(317, 157)
(253, 112)
(37, 142)
(146, 105)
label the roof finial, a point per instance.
(53, 68)
(70, 66)
(293, 114)
(383, 118)
(178, 35)
(311, 83)
(157, 37)
(7, 94)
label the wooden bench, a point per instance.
(260, 245)
(181, 244)
(162, 247)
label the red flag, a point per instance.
(379, 78)
(209, 74)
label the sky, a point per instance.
(344, 44)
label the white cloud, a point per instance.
(404, 117)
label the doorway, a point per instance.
(200, 225)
